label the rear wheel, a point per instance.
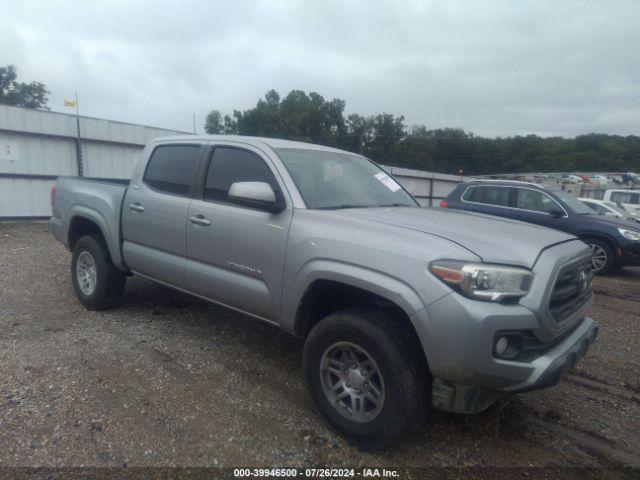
(364, 378)
(602, 257)
(97, 282)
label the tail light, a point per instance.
(54, 190)
(444, 204)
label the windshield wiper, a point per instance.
(344, 205)
(348, 205)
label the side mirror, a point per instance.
(555, 211)
(257, 195)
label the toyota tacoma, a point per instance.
(402, 308)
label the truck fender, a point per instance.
(383, 285)
(97, 218)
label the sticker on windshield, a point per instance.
(387, 181)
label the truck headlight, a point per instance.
(483, 281)
(630, 234)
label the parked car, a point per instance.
(629, 199)
(609, 209)
(569, 178)
(613, 242)
(601, 180)
(584, 178)
(398, 305)
(627, 179)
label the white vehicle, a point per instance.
(609, 209)
(601, 180)
(630, 200)
(572, 179)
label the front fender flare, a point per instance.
(386, 286)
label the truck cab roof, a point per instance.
(258, 142)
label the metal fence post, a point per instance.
(431, 192)
(78, 144)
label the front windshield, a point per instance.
(331, 180)
(574, 204)
(618, 209)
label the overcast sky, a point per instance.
(495, 68)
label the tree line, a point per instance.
(386, 139)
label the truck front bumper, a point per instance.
(463, 398)
(569, 352)
(468, 376)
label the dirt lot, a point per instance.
(168, 380)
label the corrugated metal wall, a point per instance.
(36, 146)
(428, 187)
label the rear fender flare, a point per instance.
(97, 218)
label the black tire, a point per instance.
(600, 246)
(405, 374)
(109, 281)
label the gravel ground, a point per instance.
(169, 380)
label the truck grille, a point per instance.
(572, 290)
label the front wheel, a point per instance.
(602, 258)
(364, 378)
(97, 282)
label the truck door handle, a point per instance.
(200, 220)
(136, 206)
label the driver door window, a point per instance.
(231, 165)
(533, 201)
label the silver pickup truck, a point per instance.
(402, 308)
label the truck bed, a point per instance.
(96, 199)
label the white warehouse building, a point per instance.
(37, 146)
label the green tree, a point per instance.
(230, 125)
(388, 132)
(20, 94)
(213, 123)
(359, 133)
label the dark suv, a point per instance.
(614, 243)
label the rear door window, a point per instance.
(171, 168)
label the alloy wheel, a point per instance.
(86, 273)
(599, 257)
(352, 382)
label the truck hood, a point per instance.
(494, 239)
